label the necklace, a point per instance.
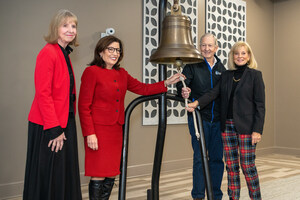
(236, 80)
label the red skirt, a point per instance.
(105, 162)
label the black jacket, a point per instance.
(201, 79)
(248, 100)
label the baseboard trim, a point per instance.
(145, 169)
(287, 151)
(265, 151)
(278, 150)
(11, 190)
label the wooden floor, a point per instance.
(279, 179)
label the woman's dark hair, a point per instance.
(101, 46)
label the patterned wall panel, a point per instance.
(226, 19)
(176, 113)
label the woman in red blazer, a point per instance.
(242, 94)
(101, 109)
(52, 170)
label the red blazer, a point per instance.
(50, 107)
(102, 94)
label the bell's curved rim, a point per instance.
(176, 42)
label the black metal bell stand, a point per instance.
(153, 193)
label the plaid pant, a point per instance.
(234, 144)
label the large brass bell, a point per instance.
(176, 41)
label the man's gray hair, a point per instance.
(209, 35)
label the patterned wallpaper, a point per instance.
(176, 113)
(226, 19)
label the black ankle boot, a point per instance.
(107, 188)
(95, 189)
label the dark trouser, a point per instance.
(214, 146)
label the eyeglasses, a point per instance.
(112, 50)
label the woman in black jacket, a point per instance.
(242, 93)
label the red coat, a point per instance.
(50, 107)
(102, 94)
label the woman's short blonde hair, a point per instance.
(251, 63)
(61, 17)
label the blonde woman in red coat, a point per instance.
(101, 109)
(52, 170)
